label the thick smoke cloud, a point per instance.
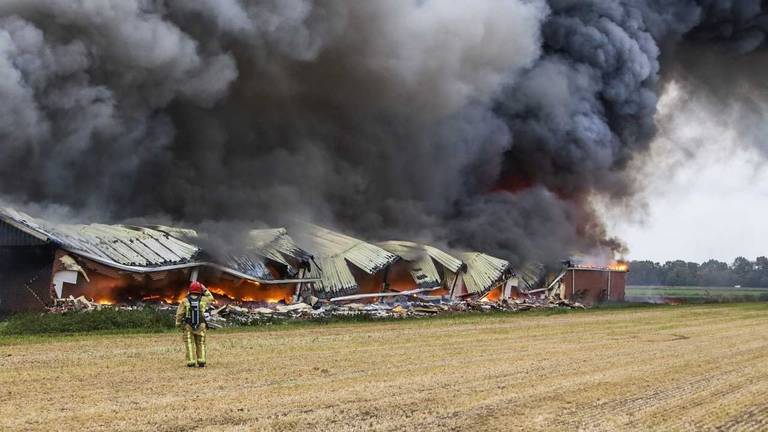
(484, 124)
(587, 109)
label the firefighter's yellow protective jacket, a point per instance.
(183, 311)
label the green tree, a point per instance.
(742, 270)
(680, 273)
(761, 272)
(715, 273)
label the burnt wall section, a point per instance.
(25, 277)
(592, 286)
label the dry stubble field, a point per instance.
(663, 368)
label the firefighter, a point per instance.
(190, 317)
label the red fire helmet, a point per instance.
(196, 287)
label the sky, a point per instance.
(706, 193)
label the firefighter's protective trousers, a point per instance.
(190, 315)
(194, 340)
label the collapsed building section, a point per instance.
(42, 261)
(276, 269)
(489, 277)
(353, 269)
(422, 268)
(589, 284)
(345, 265)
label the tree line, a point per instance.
(713, 273)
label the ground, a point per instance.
(654, 368)
(695, 294)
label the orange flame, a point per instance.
(619, 266)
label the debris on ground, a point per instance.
(244, 313)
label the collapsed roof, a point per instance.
(420, 261)
(145, 249)
(483, 271)
(278, 246)
(155, 248)
(121, 246)
(335, 252)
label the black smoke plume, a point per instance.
(485, 125)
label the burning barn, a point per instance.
(276, 269)
(487, 277)
(42, 261)
(590, 284)
(422, 268)
(345, 265)
(352, 269)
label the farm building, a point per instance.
(422, 267)
(352, 268)
(41, 261)
(470, 274)
(591, 284)
(345, 265)
(487, 277)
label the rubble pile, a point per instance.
(237, 314)
(83, 304)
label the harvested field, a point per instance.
(651, 368)
(693, 294)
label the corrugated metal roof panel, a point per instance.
(424, 273)
(334, 252)
(278, 246)
(366, 256)
(10, 235)
(421, 267)
(335, 276)
(252, 266)
(448, 261)
(121, 244)
(483, 271)
(531, 275)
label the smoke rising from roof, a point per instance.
(483, 125)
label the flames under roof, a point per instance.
(159, 248)
(148, 249)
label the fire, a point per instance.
(619, 266)
(105, 302)
(218, 291)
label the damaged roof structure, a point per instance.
(136, 262)
(42, 260)
(418, 262)
(483, 271)
(153, 248)
(347, 265)
(335, 253)
(125, 247)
